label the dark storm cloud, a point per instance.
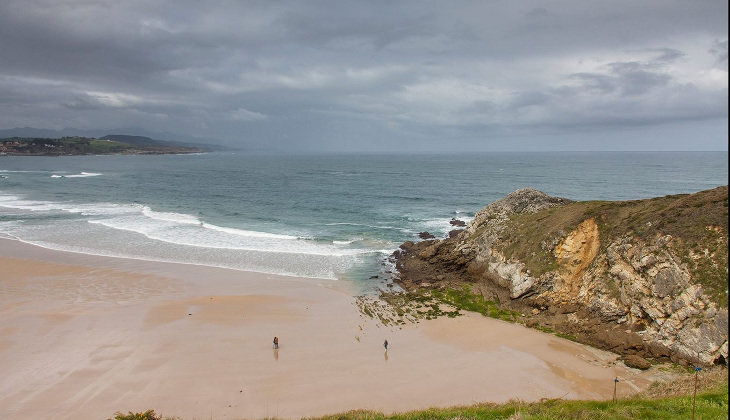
(353, 75)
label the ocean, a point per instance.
(327, 217)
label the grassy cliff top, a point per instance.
(697, 223)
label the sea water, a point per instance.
(328, 217)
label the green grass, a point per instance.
(465, 299)
(663, 400)
(431, 304)
(711, 404)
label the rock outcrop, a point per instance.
(645, 278)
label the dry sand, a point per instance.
(82, 337)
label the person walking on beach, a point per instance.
(385, 344)
(276, 342)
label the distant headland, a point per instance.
(113, 144)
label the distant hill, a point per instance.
(65, 146)
(136, 140)
(142, 141)
(153, 138)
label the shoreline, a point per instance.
(85, 336)
(91, 258)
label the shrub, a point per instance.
(147, 415)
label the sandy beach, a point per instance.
(82, 337)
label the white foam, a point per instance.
(14, 202)
(203, 236)
(436, 223)
(81, 175)
(84, 175)
(196, 240)
(171, 227)
(8, 225)
(171, 217)
(248, 233)
(347, 242)
(100, 209)
(167, 226)
(326, 275)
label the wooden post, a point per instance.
(615, 382)
(694, 397)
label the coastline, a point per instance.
(84, 336)
(125, 153)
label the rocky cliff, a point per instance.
(646, 277)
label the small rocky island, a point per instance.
(647, 279)
(107, 145)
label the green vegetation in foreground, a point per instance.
(698, 224)
(663, 400)
(710, 405)
(147, 415)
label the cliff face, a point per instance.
(646, 277)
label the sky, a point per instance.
(373, 76)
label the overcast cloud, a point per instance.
(374, 75)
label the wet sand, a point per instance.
(82, 337)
